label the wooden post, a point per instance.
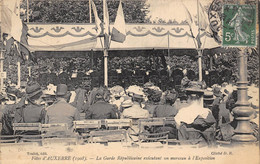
(1, 52)
(19, 73)
(106, 40)
(92, 60)
(243, 111)
(27, 13)
(1, 67)
(200, 64)
(210, 62)
(105, 67)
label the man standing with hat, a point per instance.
(32, 112)
(62, 111)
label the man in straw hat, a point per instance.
(61, 111)
(136, 111)
(32, 112)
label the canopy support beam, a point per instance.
(200, 64)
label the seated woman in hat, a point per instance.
(154, 97)
(32, 112)
(194, 122)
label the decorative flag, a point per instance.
(15, 28)
(11, 22)
(106, 24)
(118, 31)
(98, 22)
(191, 23)
(106, 18)
(203, 18)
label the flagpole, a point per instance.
(105, 49)
(27, 14)
(18, 73)
(1, 53)
(199, 48)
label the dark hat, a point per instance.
(61, 90)
(99, 93)
(33, 90)
(148, 84)
(217, 91)
(3, 97)
(155, 95)
(171, 96)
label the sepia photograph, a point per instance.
(129, 81)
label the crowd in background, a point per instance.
(193, 105)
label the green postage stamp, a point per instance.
(239, 25)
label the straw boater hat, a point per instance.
(127, 103)
(117, 91)
(194, 88)
(208, 98)
(138, 94)
(133, 89)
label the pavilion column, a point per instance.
(1, 68)
(200, 64)
(19, 73)
(105, 68)
(242, 111)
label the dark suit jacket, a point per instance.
(31, 113)
(101, 110)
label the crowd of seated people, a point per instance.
(194, 118)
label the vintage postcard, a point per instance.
(129, 81)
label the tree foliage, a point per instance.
(76, 11)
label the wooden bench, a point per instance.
(108, 136)
(28, 132)
(150, 122)
(118, 123)
(58, 133)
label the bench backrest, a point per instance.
(119, 123)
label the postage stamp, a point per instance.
(239, 25)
